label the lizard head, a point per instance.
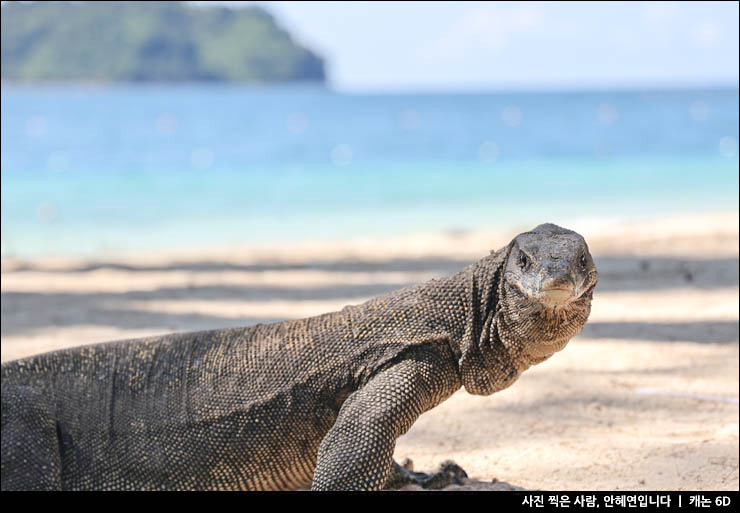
(550, 268)
(540, 300)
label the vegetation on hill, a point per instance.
(149, 41)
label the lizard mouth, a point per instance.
(556, 296)
(556, 292)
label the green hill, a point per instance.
(149, 41)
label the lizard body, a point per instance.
(317, 401)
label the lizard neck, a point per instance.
(484, 363)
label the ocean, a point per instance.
(89, 170)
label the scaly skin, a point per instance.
(314, 402)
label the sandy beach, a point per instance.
(645, 398)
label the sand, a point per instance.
(646, 398)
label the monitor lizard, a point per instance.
(316, 402)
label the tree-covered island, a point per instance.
(149, 41)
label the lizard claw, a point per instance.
(447, 474)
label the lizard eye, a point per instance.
(523, 261)
(583, 260)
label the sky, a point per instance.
(459, 46)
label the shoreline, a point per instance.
(602, 233)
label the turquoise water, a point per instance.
(88, 170)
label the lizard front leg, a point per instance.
(357, 452)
